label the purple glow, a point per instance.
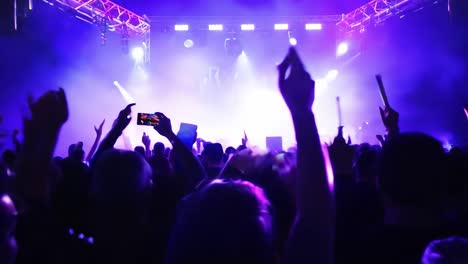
(329, 168)
(7, 200)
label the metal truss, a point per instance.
(377, 11)
(107, 14)
(262, 23)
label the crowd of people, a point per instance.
(403, 201)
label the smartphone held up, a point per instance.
(145, 119)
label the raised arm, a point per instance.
(145, 139)
(190, 163)
(96, 141)
(311, 237)
(120, 124)
(41, 131)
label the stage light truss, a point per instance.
(115, 17)
(377, 11)
(232, 24)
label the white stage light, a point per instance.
(247, 27)
(181, 27)
(215, 27)
(138, 53)
(293, 41)
(315, 26)
(281, 26)
(188, 43)
(342, 49)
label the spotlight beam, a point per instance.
(126, 96)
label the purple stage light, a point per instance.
(181, 27)
(342, 49)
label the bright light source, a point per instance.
(181, 27)
(215, 27)
(281, 26)
(293, 41)
(127, 97)
(342, 49)
(243, 54)
(188, 43)
(313, 26)
(247, 27)
(138, 53)
(332, 74)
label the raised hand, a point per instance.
(298, 88)
(145, 139)
(164, 127)
(245, 140)
(99, 129)
(41, 132)
(339, 139)
(314, 223)
(124, 117)
(389, 117)
(96, 141)
(50, 111)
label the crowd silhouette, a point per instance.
(403, 201)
